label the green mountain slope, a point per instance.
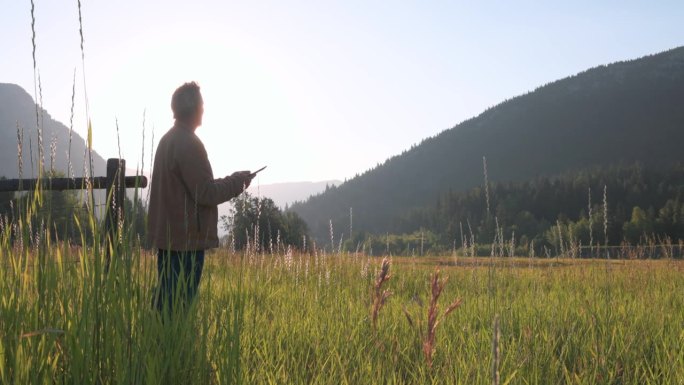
(620, 113)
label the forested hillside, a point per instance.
(620, 113)
(644, 205)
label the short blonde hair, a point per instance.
(186, 101)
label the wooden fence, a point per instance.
(115, 182)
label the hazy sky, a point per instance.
(314, 89)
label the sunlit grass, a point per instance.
(299, 318)
(65, 319)
(307, 319)
(584, 323)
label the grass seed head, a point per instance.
(380, 296)
(433, 318)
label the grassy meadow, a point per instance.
(314, 318)
(317, 318)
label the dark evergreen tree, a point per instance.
(259, 218)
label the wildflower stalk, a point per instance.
(486, 183)
(495, 352)
(591, 227)
(605, 215)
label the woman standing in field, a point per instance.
(183, 213)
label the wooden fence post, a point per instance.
(114, 213)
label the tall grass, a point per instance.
(296, 318)
(66, 320)
(557, 324)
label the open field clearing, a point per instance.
(309, 319)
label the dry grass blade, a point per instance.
(41, 332)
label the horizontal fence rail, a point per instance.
(61, 184)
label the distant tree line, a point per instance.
(259, 223)
(643, 205)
